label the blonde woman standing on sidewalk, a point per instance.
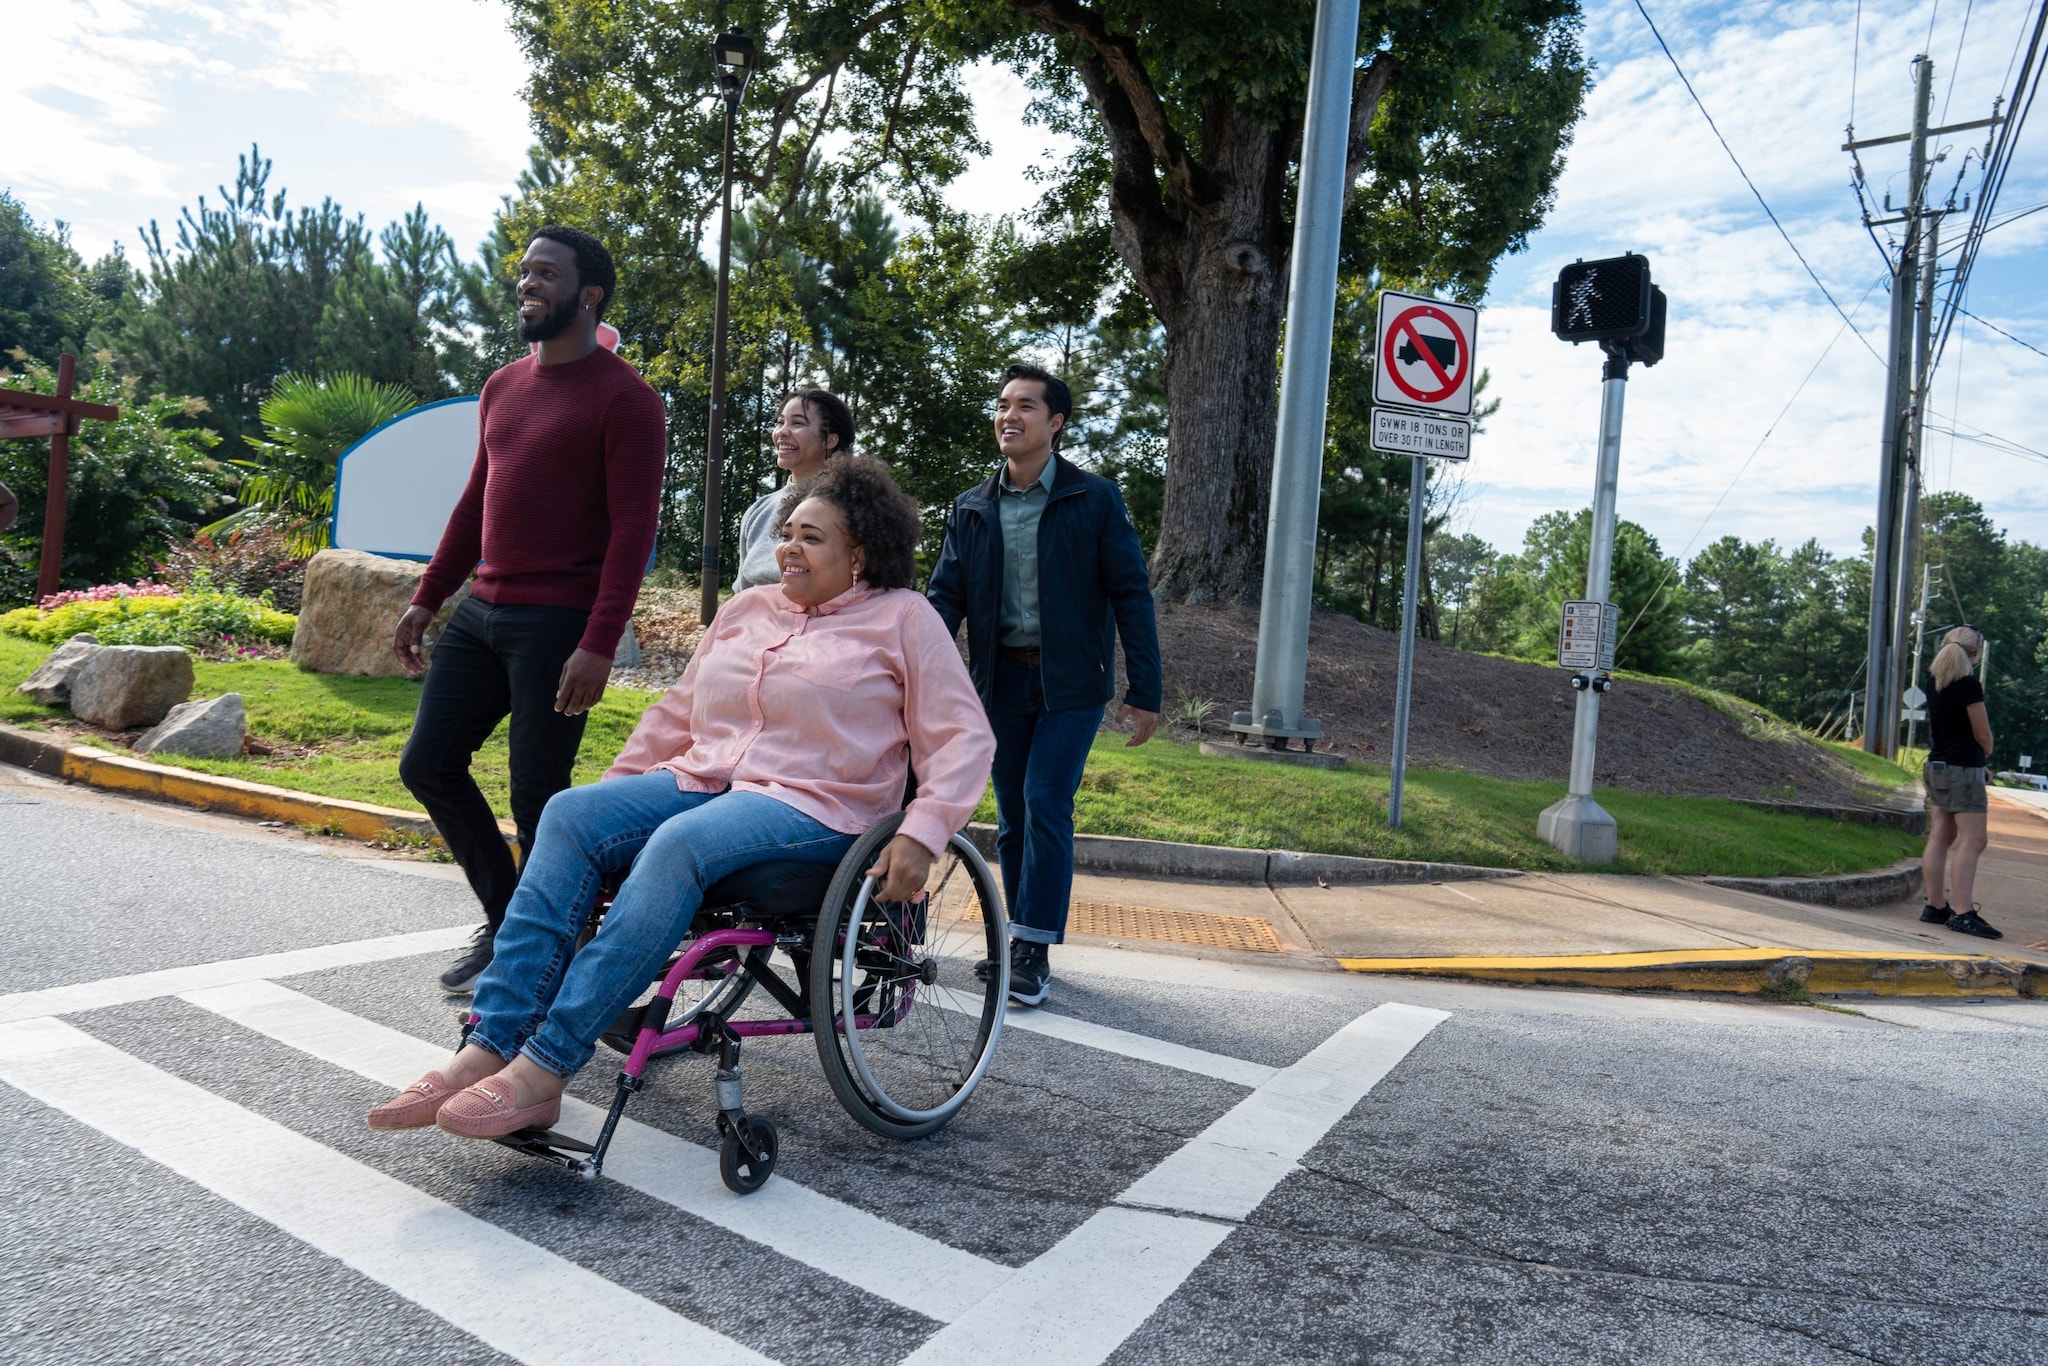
(1958, 754)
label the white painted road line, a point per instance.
(516, 1297)
(1078, 1301)
(852, 1245)
(1143, 1047)
(143, 986)
(1226, 1170)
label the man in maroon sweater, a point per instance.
(557, 521)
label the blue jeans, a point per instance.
(536, 997)
(1039, 758)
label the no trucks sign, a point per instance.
(1424, 359)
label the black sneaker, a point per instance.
(1969, 922)
(1030, 973)
(1936, 915)
(460, 978)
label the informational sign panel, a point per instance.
(1425, 354)
(1395, 432)
(394, 489)
(1585, 637)
(1912, 696)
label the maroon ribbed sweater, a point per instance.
(562, 500)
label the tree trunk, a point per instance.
(1222, 406)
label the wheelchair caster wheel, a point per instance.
(742, 1174)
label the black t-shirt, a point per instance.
(1948, 721)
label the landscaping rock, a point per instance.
(121, 686)
(628, 656)
(211, 728)
(51, 684)
(350, 608)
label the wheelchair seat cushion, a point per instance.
(775, 890)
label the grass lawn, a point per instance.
(355, 727)
(1877, 769)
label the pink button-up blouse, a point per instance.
(824, 709)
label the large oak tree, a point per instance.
(1189, 114)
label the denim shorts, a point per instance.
(1950, 787)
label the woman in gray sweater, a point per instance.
(815, 426)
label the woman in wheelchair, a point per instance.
(789, 734)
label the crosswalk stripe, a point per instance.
(1227, 1169)
(1078, 1301)
(143, 986)
(1143, 1047)
(850, 1244)
(516, 1297)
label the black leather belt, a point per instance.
(1028, 658)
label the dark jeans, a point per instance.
(489, 662)
(1039, 758)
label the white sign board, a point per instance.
(1913, 697)
(1585, 637)
(1395, 432)
(1424, 354)
(394, 489)
(1914, 714)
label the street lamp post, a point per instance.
(735, 58)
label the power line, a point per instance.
(2005, 334)
(2025, 86)
(1956, 63)
(1687, 83)
(1756, 450)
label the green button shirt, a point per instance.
(1019, 511)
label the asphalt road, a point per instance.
(1202, 1161)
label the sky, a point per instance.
(125, 110)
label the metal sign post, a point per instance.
(1422, 364)
(1613, 303)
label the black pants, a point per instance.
(489, 662)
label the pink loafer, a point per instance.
(487, 1110)
(414, 1107)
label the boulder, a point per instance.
(350, 608)
(628, 656)
(121, 686)
(51, 683)
(210, 728)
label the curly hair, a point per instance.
(593, 263)
(880, 517)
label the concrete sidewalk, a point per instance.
(1663, 932)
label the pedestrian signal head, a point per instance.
(1601, 301)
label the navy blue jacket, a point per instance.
(1092, 586)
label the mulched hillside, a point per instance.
(1494, 716)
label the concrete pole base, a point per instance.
(1578, 828)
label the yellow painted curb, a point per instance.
(1748, 970)
(125, 774)
(208, 792)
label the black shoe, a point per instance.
(1969, 922)
(984, 970)
(460, 978)
(1030, 973)
(1936, 915)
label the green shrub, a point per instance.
(200, 617)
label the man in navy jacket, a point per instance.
(1044, 566)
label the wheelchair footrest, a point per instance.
(558, 1148)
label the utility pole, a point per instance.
(1280, 674)
(1907, 385)
(1919, 643)
(1880, 698)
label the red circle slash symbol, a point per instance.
(1443, 360)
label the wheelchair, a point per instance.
(904, 999)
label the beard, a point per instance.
(549, 325)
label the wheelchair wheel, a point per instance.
(904, 1028)
(742, 1174)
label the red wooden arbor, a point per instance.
(24, 415)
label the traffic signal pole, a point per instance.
(1578, 826)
